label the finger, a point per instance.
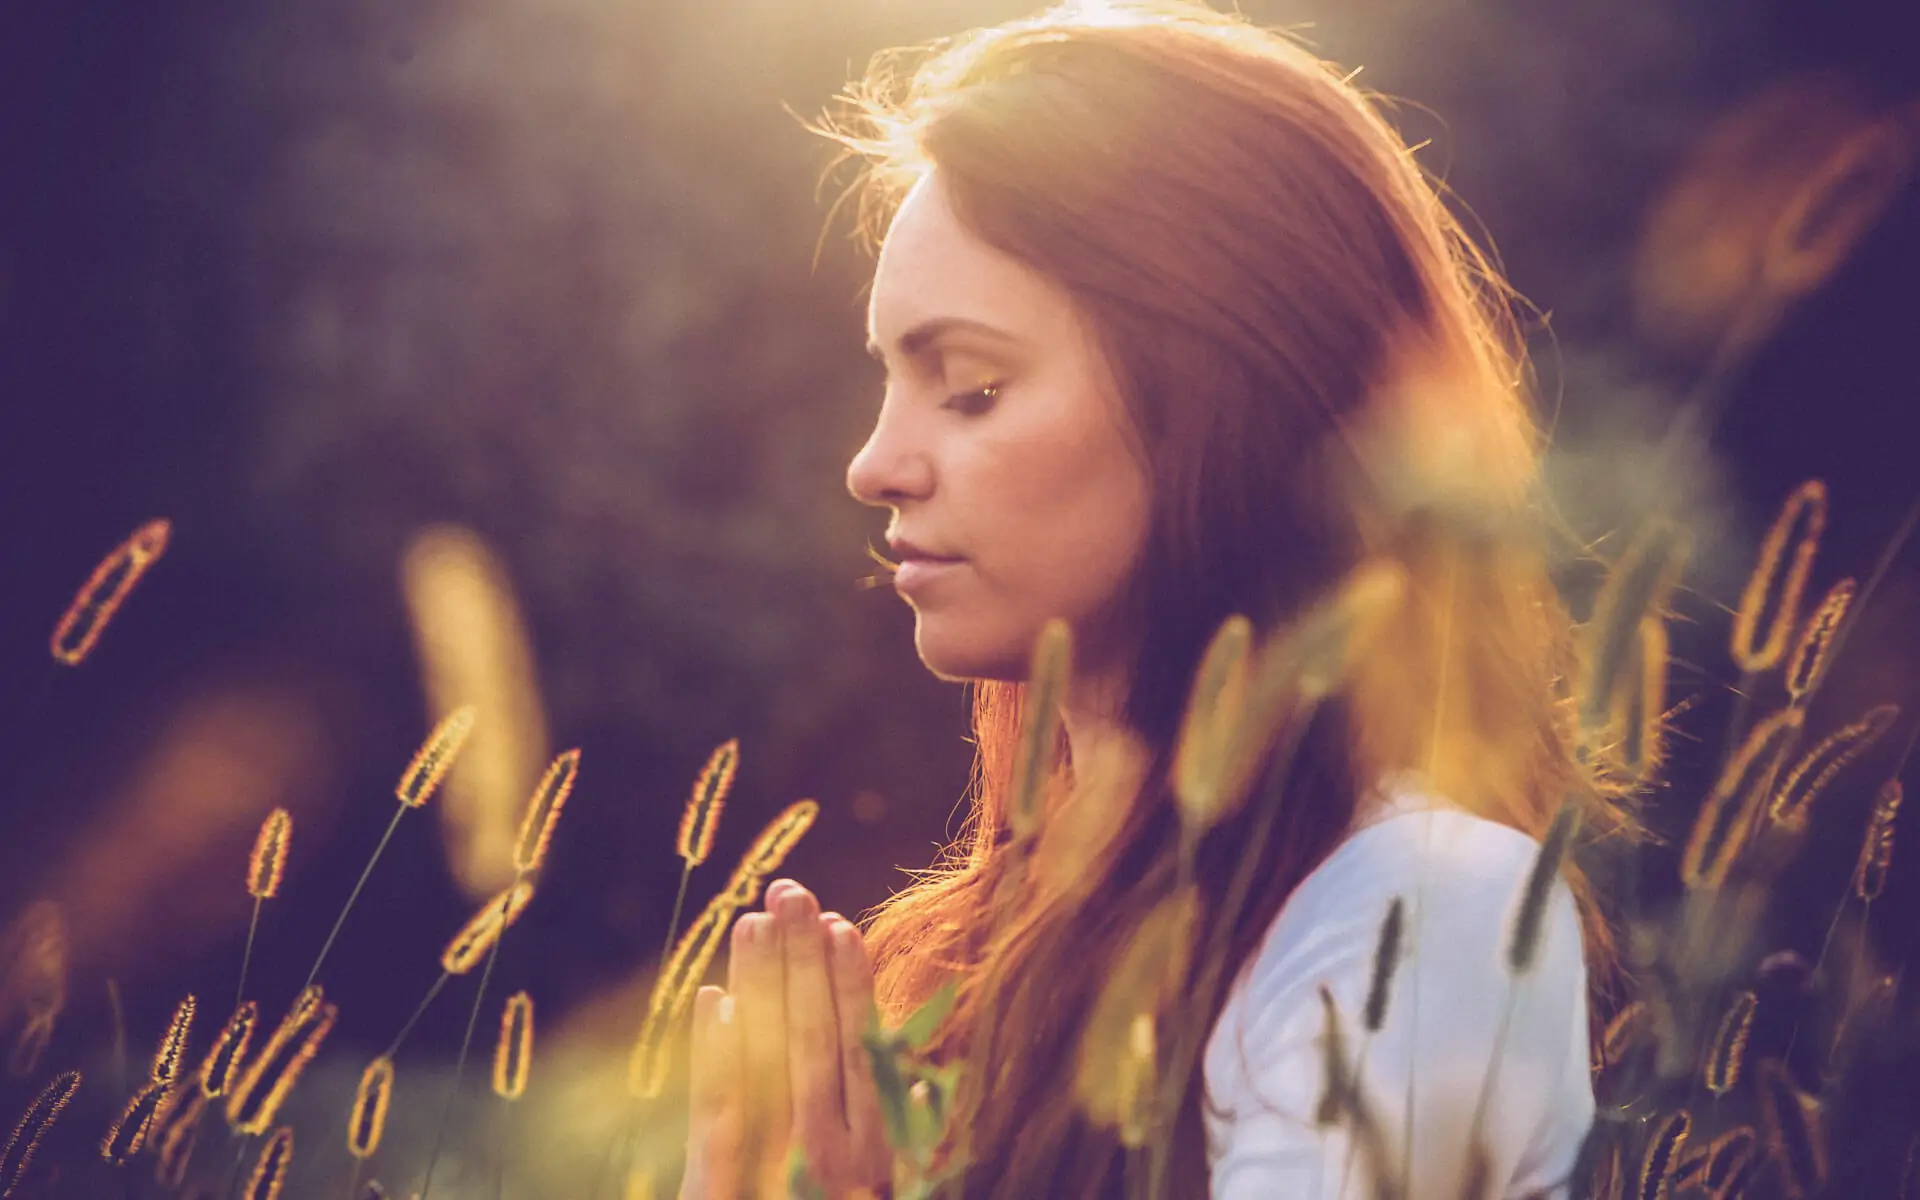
(756, 980)
(777, 889)
(813, 1034)
(853, 1000)
(716, 1054)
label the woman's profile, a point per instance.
(1175, 329)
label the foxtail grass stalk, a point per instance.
(466, 1043)
(417, 784)
(536, 835)
(698, 823)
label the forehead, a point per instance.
(931, 266)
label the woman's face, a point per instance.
(1000, 442)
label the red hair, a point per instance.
(1322, 369)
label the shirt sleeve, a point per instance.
(1458, 1025)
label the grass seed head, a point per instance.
(1876, 848)
(274, 1067)
(1818, 767)
(1794, 1133)
(673, 992)
(1339, 1086)
(543, 812)
(1727, 817)
(268, 862)
(1386, 957)
(484, 928)
(435, 757)
(1530, 923)
(1810, 500)
(129, 1133)
(1635, 589)
(177, 1140)
(1730, 1045)
(1662, 1156)
(778, 839)
(701, 817)
(1622, 1031)
(271, 1169)
(370, 1100)
(229, 1050)
(1215, 708)
(93, 606)
(513, 1057)
(1808, 663)
(166, 1060)
(33, 1126)
(1725, 1157)
(1048, 671)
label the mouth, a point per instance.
(918, 572)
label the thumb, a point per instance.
(717, 1054)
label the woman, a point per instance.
(1174, 329)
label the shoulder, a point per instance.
(1453, 1006)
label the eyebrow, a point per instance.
(915, 340)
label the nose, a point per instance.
(886, 471)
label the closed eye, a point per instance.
(977, 402)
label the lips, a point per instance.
(917, 573)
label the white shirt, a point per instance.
(1460, 877)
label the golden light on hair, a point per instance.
(543, 811)
(1808, 501)
(33, 1126)
(1794, 799)
(484, 928)
(1727, 815)
(268, 863)
(513, 1056)
(229, 1050)
(93, 606)
(1808, 662)
(435, 757)
(1876, 847)
(673, 992)
(272, 1074)
(701, 817)
(271, 1169)
(129, 1133)
(370, 1100)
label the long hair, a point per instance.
(1322, 369)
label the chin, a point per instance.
(954, 656)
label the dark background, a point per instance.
(308, 276)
